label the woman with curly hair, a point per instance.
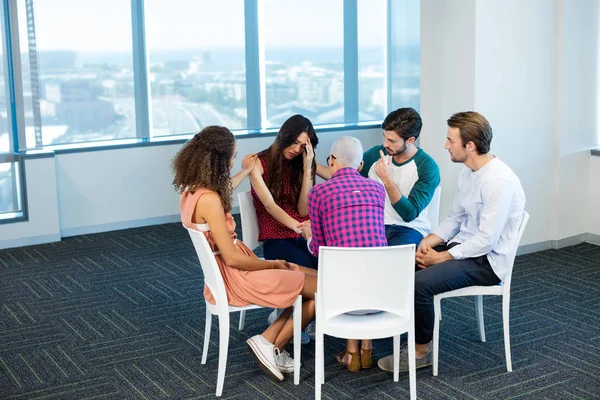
(202, 177)
(280, 185)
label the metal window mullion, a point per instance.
(388, 55)
(350, 61)
(12, 76)
(143, 107)
(255, 65)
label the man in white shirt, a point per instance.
(471, 245)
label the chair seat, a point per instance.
(472, 291)
(369, 326)
(213, 307)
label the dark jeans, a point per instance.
(292, 250)
(398, 234)
(440, 278)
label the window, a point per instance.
(404, 55)
(85, 66)
(304, 60)
(196, 61)
(372, 99)
(5, 142)
(10, 192)
(77, 71)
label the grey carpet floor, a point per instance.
(120, 315)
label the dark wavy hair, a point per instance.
(203, 162)
(276, 162)
(406, 122)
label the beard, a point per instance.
(397, 152)
(458, 158)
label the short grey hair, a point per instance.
(348, 151)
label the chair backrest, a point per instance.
(511, 256)
(249, 221)
(210, 268)
(366, 278)
(434, 207)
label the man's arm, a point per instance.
(316, 223)
(497, 198)
(409, 207)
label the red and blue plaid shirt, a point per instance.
(347, 211)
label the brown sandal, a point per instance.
(366, 361)
(355, 364)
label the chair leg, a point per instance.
(319, 363)
(437, 316)
(396, 347)
(480, 320)
(223, 349)
(297, 321)
(242, 320)
(412, 363)
(506, 321)
(207, 326)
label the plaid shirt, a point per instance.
(347, 211)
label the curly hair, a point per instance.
(276, 162)
(203, 162)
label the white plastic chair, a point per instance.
(434, 207)
(351, 279)
(214, 281)
(249, 231)
(249, 221)
(503, 289)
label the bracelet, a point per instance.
(272, 263)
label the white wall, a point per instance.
(531, 68)
(42, 225)
(593, 219)
(447, 84)
(88, 192)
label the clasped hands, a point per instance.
(305, 229)
(426, 256)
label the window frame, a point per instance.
(255, 89)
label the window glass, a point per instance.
(371, 60)
(196, 58)
(304, 54)
(77, 71)
(10, 196)
(405, 54)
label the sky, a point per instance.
(105, 25)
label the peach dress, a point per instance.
(274, 288)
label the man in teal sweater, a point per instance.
(409, 175)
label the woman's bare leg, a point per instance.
(287, 332)
(310, 287)
(282, 330)
(308, 271)
(273, 330)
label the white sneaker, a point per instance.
(284, 361)
(264, 353)
(311, 330)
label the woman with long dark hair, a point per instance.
(280, 185)
(202, 177)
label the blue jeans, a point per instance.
(398, 234)
(444, 277)
(292, 250)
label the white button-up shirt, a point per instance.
(486, 215)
